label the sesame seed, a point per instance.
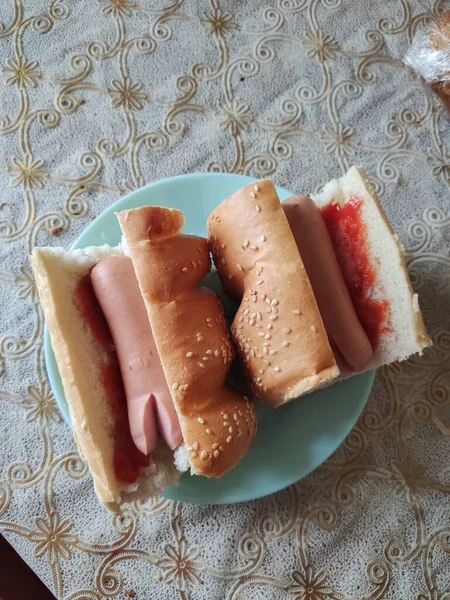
(277, 369)
(274, 302)
(230, 276)
(285, 344)
(267, 336)
(267, 300)
(216, 454)
(258, 208)
(221, 448)
(313, 329)
(263, 238)
(260, 281)
(272, 352)
(261, 333)
(193, 263)
(225, 423)
(223, 261)
(239, 433)
(224, 245)
(265, 350)
(218, 219)
(189, 354)
(201, 365)
(175, 386)
(252, 194)
(195, 446)
(208, 320)
(270, 326)
(246, 311)
(287, 330)
(229, 439)
(214, 446)
(199, 262)
(252, 352)
(239, 267)
(200, 420)
(204, 454)
(216, 353)
(208, 431)
(251, 322)
(246, 243)
(235, 416)
(199, 250)
(184, 269)
(205, 358)
(255, 299)
(199, 338)
(194, 454)
(273, 317)
(256, 188)
(259, 316)
(254, 247)
(261, 371)
(296, 312)
(225, 416)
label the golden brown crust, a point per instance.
(278, 328)
(190, 332)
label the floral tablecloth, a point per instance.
(101, 97)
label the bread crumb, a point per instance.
(130, 593)
(2, 205)
(55, 230)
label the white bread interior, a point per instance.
(57, 273)
(407, 333)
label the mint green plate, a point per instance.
(292, 440)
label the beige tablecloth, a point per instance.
(101, 97)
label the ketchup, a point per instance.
(349, 238)
(127, 459)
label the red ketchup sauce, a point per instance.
(127, 459)
(349, 237)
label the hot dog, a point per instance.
(150, 406)
(333, 299)
(350, 263)
(125, 420)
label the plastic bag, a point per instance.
(429, 57)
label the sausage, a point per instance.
(332, 296)
(149, 402)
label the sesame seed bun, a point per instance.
(191, 336)
(278, 329)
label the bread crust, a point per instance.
(190, 332)
(278, 329)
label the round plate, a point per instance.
(292, 440)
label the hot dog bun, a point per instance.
(278, 329)
(403, 332)
(190, 332)
(78, 356)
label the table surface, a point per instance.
(102, 97)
